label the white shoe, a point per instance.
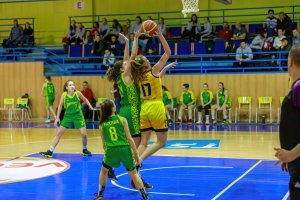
(207, 123)
(198, 122)
(48, 121)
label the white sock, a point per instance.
(225, 117)
(207, 117)
(168, 116)
(190, 117)
(179, 118)
(51, 148)
(84, 147)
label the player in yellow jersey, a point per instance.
(152, 115)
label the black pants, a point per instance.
(206, 108)
(294, 185)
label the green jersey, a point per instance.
(72, 103)
(130, 93)
(206, 96)
(187, 97)
(114, 133)
(49, 89)
(167, 98)
(221, 96)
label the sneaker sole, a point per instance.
(84, 154)
(47, 156)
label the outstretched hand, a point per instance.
(158, 33)
(137, 34)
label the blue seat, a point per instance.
(87, 50)
(255, 28)
(294, 25)
(219, 46)
(75, 51)
(148, 46)
(184, 48)
(199, 48)
(172, 47)
(218, 28)
(175, 31)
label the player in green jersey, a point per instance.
(130, 108)
(223, 103)
(73, 116)
(206, 99)
(118, 148)
(48, 91)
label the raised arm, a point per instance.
(135, 45)
(162, 61)
(126, 49)
(165, 69)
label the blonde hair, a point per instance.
(139, 68)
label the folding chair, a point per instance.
(242, 103)
(8, 104)
(263, 103)
(22, 105)
(98, 108)
(279, 108)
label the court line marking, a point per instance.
(286, 196)
(236, 180)
(159, 168)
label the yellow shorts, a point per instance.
(153, 116)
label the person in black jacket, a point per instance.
(289, 129)
(284, 22)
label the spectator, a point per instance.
(151, 52)
(258, 42)
(72, 33)
(95, 28)
(225, 33)
(104, 29)
(284, 49)
(121, 40)
(161, 25)
(240, 33)
(137, 25)
(243, 54)
(116, 28)
(193, 29)
(142, 46)
(98, 49)
(207, 28)
(277, 41)
(88, 38)
(88, 94)
(127, 28)
(28, 37)
(285, 24)
(15, 37)
(187, 101)
(271, 23)
(296, 37)
(115, 46)
(79, 33)
(109, 58)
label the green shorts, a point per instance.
(49, 100)
(132, 115)
(121, 154)
(77, 119)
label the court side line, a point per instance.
(236, 180)
(286, 196)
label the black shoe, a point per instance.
(86, 152)
(47, 154)
(98, 197)
(112, 176)
(147, 185)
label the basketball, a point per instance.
(149, 28)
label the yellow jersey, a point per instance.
(151, 87)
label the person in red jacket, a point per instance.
(88, 94)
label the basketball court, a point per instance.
(199, 162)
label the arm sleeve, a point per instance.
(296, 94)
(181, 97)
(211, 95)
(169, 95)
(192, 96)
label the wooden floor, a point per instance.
(16, 142)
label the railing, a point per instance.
(263, 62)
(7, 23)
(255, 15)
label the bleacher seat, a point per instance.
(175, 31)
(75, 51)
(219, 46)
(199, 48)
(171, 45)
(218, 28)
(87, 50)
(183, 48)
(255, 28)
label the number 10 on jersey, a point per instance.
(146, 89)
